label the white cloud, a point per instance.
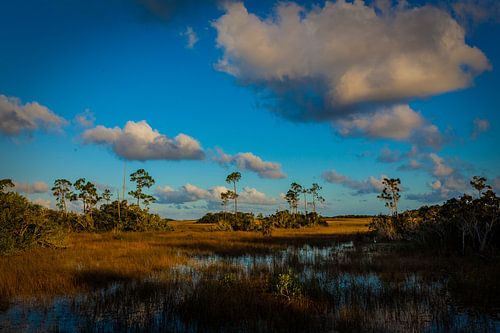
(389, 156)
(138, 141)
(85, 119)
(396, 123)
(331, 60)
(411, 165)
(442, 189)
(436, 185)
(191, 193)
(36, 187)
(477, 11)
(440, 169)
(496, 184)
(17, 118)
(42, 202)
(192, 37)
(480, 126)
(370, 185)
(250, 162)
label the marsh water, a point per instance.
(340, 290)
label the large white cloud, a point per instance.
(370, 185)
(334, 61)
(191, 193)
(249, 161)
(17, 118)
(138, 141)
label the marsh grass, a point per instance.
(194, 280)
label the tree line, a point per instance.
(24, 224)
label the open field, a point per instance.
(191, 279)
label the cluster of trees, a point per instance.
(292, 196)
(461, 225)
(24, 224)
(281, 219)
(87, 192)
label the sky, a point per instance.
(338, 93)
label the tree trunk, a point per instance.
(305, 204)
(235, 199)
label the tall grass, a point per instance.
(192, 280)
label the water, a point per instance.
(359, 298)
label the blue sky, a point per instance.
(258, 91)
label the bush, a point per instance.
(23, 225)
(287, 285)
(225, 221)
(458, 226)
(285, 219)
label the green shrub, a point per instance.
(23, 225)
(287, 285)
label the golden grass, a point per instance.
(92, 260)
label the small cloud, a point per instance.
(370, 185)
(411, 165)
(440, 169)
(42, 202)
(496, 184)
(389, 156)
(36, 187)
(442, 189)
(17, 118)
(476, 11)
(86, 119)
(138, 141)
(192, 37)
(249, 161)
(480, 126)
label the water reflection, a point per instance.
(349, 301)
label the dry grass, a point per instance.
(93, 260)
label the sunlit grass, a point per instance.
(127, 256)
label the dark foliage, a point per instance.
(247, 222)
(461, 225)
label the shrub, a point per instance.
(23, 224)
(225, 221)
(287, 285)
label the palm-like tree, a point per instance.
(391, 194)
(233, 178)
(62, 192)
